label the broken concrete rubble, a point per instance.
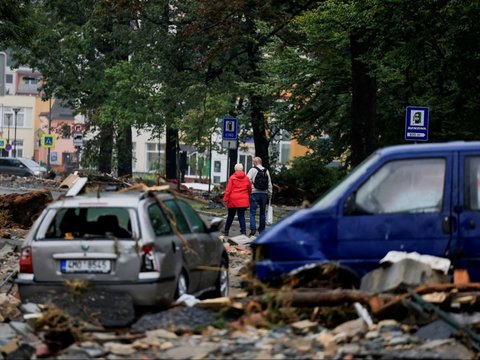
(401, 276)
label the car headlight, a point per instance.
(36, 172)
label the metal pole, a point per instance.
(49, 129)
(15, 110)
(9, 116)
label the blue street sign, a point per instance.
(416, 123)
(230, 129)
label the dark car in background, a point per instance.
(152, 246)
(21, 167)
(421, 198)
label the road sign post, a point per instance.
(416, 123)
(229, 137)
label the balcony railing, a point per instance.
(27, 88)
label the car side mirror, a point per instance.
(350, 207)
(215, 224)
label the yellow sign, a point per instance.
(48, 141)
(3, 143)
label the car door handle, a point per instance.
(448, 224)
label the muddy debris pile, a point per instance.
(313, 314)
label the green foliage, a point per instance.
(15, 22)
(310, 174)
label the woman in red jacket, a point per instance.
(237, 198)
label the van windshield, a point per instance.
(332, 195)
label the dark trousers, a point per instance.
(258, 200)
(241, 219)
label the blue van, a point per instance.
(420, 197)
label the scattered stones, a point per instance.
(178, 320)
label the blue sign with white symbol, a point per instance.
(416, 123)
(230, 129)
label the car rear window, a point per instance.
(94, 222)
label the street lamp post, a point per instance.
(9, 116)
(49, 129)
(15, 110)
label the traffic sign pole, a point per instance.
(229, 137)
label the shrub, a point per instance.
(307, 179)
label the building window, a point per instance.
(217, 166)
(192, 164)
(284, 152)
(154, 158)
(66, 131)
(134, 156)
(246, 161)
(9, 118)
(29, 80)
(216, 179)
(18, 145)
(9, 78)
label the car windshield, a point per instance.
(30, 163)
(332, 195)
(85, 223)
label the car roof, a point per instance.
(430, 147)
(107, 199)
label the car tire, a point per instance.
(182, 285)
(222, 284)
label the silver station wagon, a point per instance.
(153, 246)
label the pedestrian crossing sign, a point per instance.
(48, 140)
(3, 143)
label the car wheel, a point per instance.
(222, 285)
(182, 285)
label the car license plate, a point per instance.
(85, 266)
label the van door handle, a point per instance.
(471, 224)
(448, 224)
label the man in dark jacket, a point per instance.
(261, 194)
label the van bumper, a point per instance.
(266, 270)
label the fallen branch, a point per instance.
(423, 289)
(324, 297)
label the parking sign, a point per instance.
(230, 129)
(416, 123)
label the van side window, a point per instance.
(472, 183)
(411, 186)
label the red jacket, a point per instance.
(238, 190)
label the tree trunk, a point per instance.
(171, 153)
(363, 128)
(124, 150)
(256, 110)
(259, 132)
(106, 147)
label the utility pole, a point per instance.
(9, 116)
(15, 110)
(49, 129)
